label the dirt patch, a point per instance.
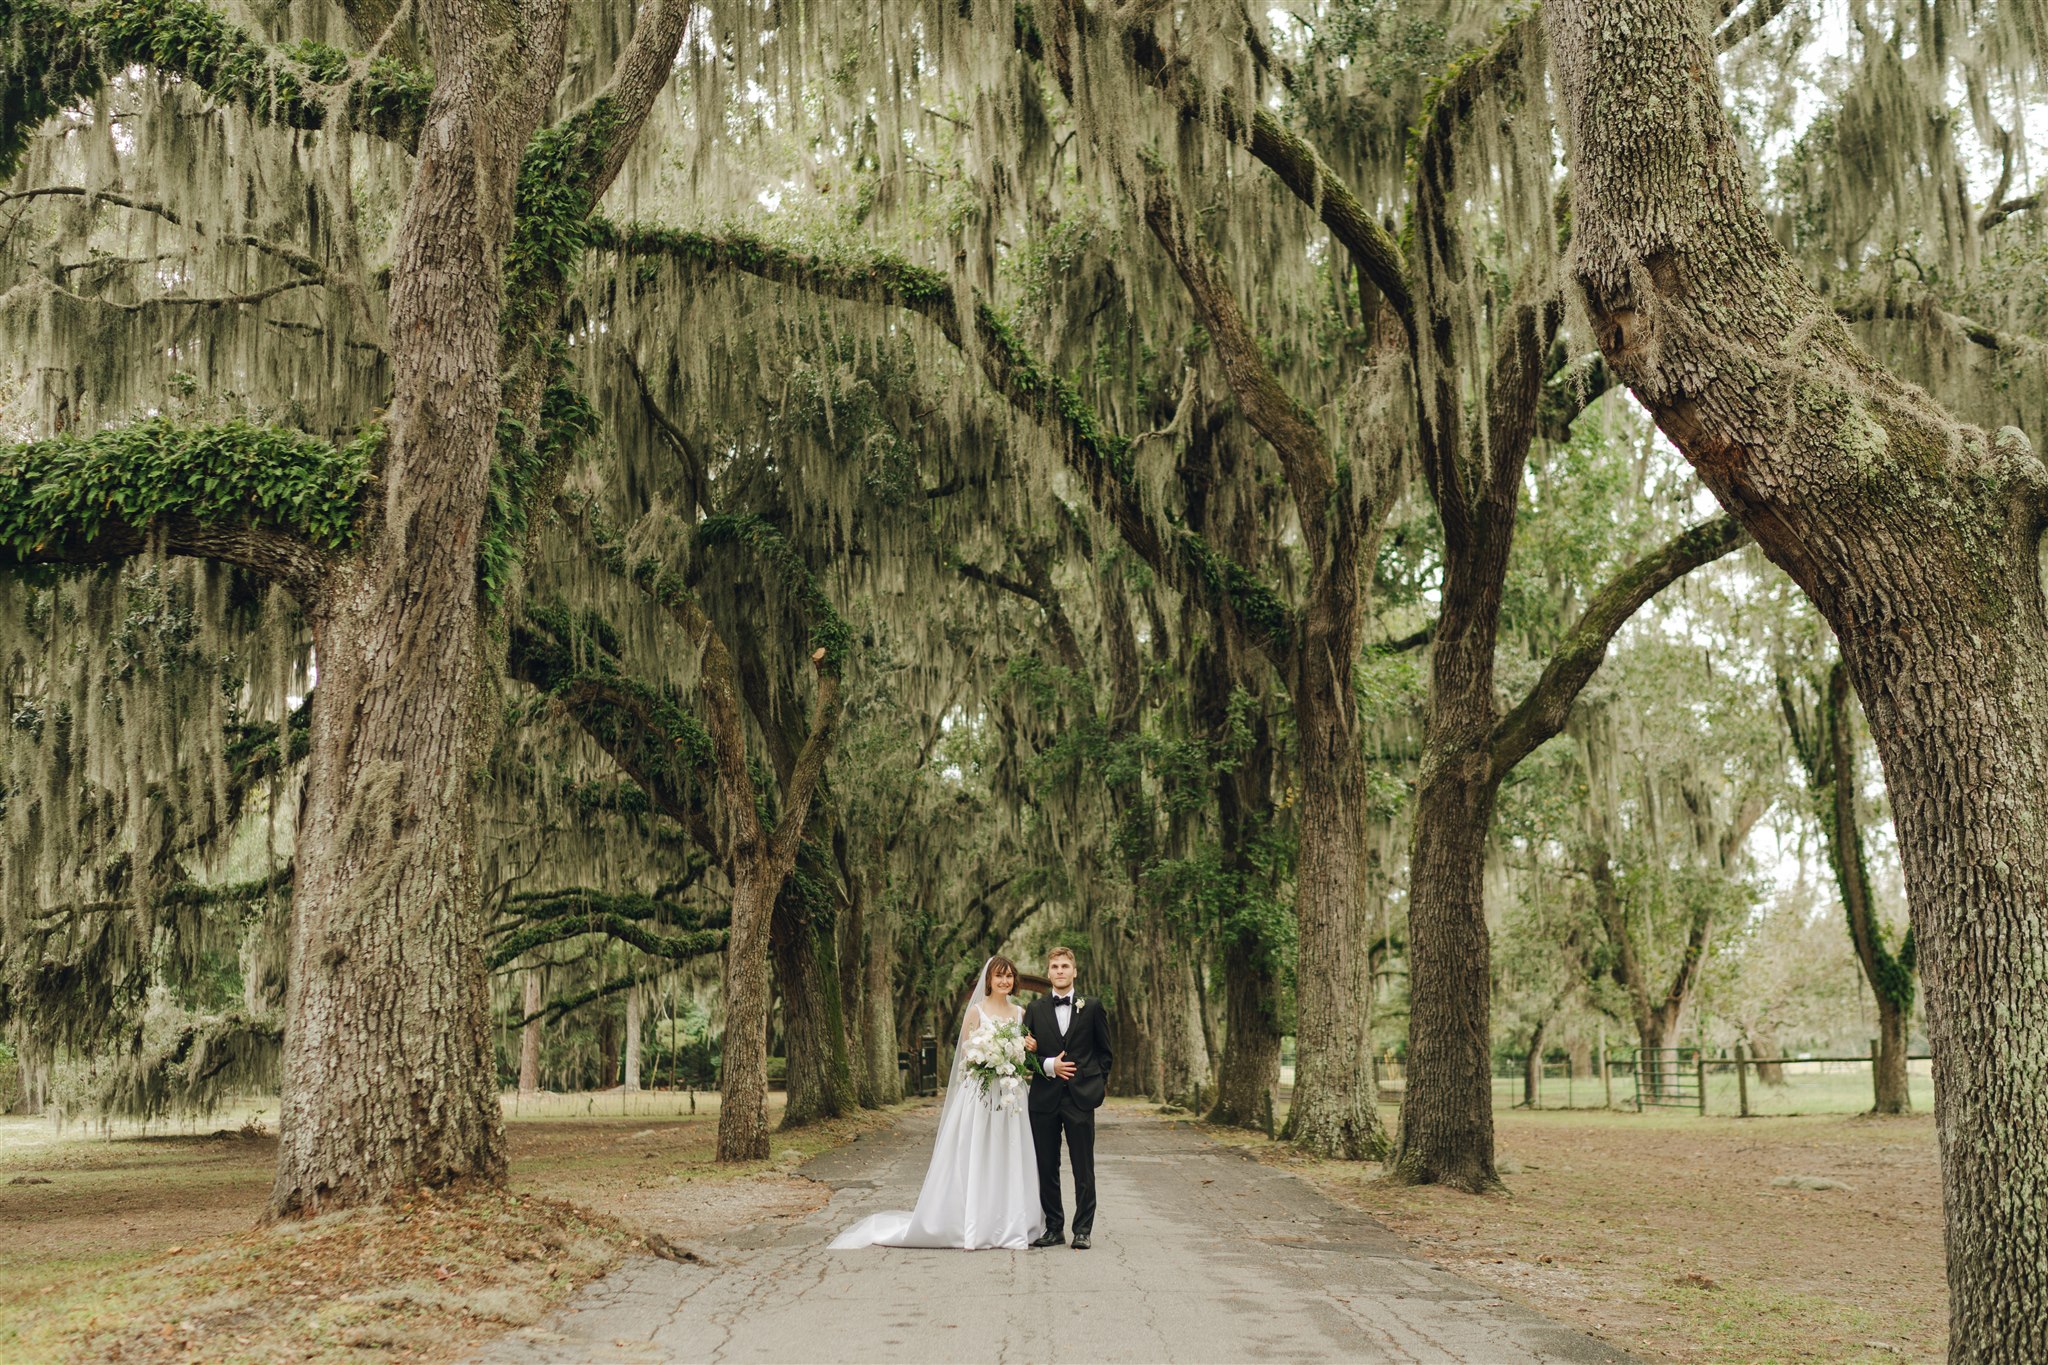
(422, 1280)
(1668, 1237)
(142, 1249)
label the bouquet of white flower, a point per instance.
(995, 1058)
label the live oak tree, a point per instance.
(1156, 316)
(396, 546)
(1916, 534)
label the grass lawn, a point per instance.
(129, 1245)
(1664, 1234)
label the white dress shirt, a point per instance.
(1065, 1014)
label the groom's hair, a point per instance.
(1058, 953)
(997, 966)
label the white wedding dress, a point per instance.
(981, 1189)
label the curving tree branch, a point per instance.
(1542, 713)
(276, 501)
(53, 55)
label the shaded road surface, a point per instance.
(1201, 1254)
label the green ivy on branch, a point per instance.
(829, 630)
(53, 55)
(554, 213)
(524, 464)
(61, 497)
(659, 744)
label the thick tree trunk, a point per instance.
(743, 1077)
(632, 1074)
(1136, 1073)
(529, 1033)
(1183, 1060)
(881, 1082)
(804, 943)
(1336, 1090)
(1248, 1082)
(1446, 1133)
(1916, 536)
(388, 1080)
(1336, 1094)
(1248, 1052)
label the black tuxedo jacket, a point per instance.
(1086, 1045)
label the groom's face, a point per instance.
(1060, 971)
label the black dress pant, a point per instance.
(1078, 1125)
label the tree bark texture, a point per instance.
(1248, 1081)
(388, 1079)
(1183, 1058)
(1916, 535)
(804, 943)
(1247, 1046)
(881, 1083)
(529, 1032)
(743, 1075)
(1446, 1129)
(631, 1079)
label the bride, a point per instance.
(981, 1189)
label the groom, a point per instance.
(1072, 1033)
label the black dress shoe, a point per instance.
(1080, 1241)
(1049, 1239)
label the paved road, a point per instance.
(1201, 1254)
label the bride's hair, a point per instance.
(997, 966)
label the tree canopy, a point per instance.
(1337, 514)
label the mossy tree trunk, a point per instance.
(1335, 1090)
(1824, 741)
(1245, 1050)
(1470, 746)
(880, 1081)
(758, 860)
(1248, 1078)
(803, 940)
(1473, 465)
(1918, 538)
(803, 934)
(388, 1078)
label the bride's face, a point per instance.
(1001, 982)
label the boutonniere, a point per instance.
(1079, 1001)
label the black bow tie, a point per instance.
(1063, 1000)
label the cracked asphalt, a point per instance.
(1201, 1254)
